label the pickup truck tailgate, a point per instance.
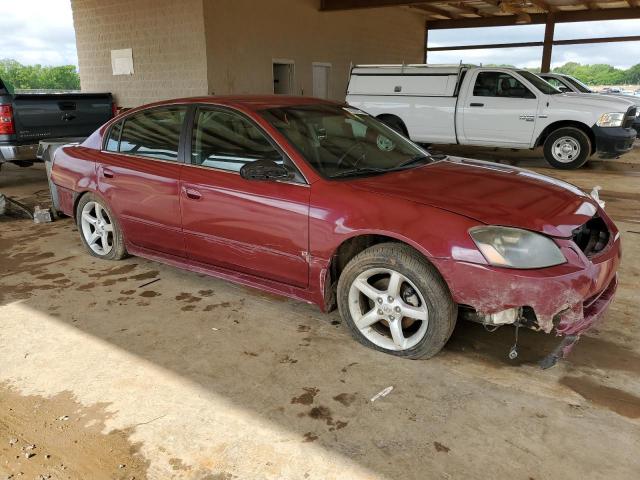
(39, 116)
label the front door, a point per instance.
(139, 175)
(254, 227)
(501, 110)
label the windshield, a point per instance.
(578, 84)
(539, 83)
(340, 141)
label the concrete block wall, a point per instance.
(245, 36)
(168, 43)
(186, 48)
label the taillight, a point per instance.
(114, 110)
(7, 126)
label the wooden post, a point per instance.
(547, 48)
(426, 40)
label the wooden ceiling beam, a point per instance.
(540, 18)
(336, 5)
(543, 5)
(438, 11)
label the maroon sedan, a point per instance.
(323, 203)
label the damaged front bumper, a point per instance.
(567, 299)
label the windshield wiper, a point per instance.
(356, 171)
(411, 161)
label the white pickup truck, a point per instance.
(493, 107)
(567, 83)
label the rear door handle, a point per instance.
(476, 104)
(192, 193)
(107, 173)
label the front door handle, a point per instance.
(107, 173)
(193, 194)
(476, 104)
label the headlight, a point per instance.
(610, 120)
(516, 248)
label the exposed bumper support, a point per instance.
(18, 153)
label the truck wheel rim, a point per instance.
(388, 309)
(97, 228)
(566, 149)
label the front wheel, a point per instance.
(567, 148)
(99, 229)
(394, 301)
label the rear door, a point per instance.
(256, 227)
(497, 110)
(139, 175)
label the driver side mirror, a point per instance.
(264, 170)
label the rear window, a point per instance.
(151, 133)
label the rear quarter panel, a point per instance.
(73, 172)
(428, 119)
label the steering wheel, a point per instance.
(344, 156)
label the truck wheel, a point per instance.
(99, 229)
(567, 148)
(396, 302)
(394, 123)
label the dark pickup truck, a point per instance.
(27, 119)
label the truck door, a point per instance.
(497, 110)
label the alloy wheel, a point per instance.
(97, 228)
(388, 309)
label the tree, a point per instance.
(30, 77)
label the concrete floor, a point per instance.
(191, 377)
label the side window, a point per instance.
(114, 138)
(557, 83)
(153, 133)
(498, 84)
(227, 141)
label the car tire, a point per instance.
(99, 229)
(567, 148)
(401, 286)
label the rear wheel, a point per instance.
(99, 229)
(567, 148)
(394, 123)
(394, 301)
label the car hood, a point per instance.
(585, 101)
(630, 98)
(489, 193)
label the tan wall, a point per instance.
(167, 38)
(196, 47)
(244, 36)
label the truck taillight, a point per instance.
(7, 126)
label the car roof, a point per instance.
(250, 102)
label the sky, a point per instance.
(621, 54)
(38, 31)
(41, 31)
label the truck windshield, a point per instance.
(340, 141)
(578, 84)
(539, 83)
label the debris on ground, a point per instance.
(42, 215)
(382, 393)
(13, 208)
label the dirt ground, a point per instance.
(138, 370)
